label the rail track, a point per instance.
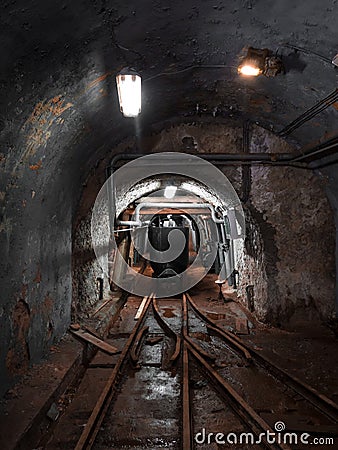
(309, 399)
(215, 360)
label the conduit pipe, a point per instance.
(138, 222)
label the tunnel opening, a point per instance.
(161, 216)
(194, 209)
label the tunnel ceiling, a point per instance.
(59, 60)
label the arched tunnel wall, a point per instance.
(288, 257)
(45, 234)
(59, 117)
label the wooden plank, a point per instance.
(101, 307)
(101, 345)
(140, 309)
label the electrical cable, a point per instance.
(305, 50)
(208, 66)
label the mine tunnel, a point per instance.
(168, 192)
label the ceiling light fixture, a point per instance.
(128, 83)
(170, 191)
(260, 62)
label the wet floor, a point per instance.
(146, 410)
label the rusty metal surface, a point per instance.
(187, 445)
(229, 337)
(134, 352)
(168, 329)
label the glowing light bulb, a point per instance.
(249, 70)
(129, 91)
(170, 191)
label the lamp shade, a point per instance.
(170, 191)
(129, 91)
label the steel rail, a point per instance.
(187, 419)
(100, 409)
(226, 335)
(233, 342)
(187, 444)
(322, 403)
(185, 332)
(199, 349)
(238, 404)
(163, 324)
(186, 410)
(134, 353)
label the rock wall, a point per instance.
(86, 271)
(297, 227)
(35, 265)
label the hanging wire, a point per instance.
(216, 66)
(307, 51)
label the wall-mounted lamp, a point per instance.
(335, 60)
(250, 70)
(260, 62)
(129, 90)
(254, 62)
